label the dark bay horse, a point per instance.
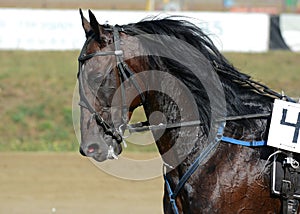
(192, 97)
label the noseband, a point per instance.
(125, 73)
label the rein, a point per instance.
(144, 126)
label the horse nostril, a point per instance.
(92, 148)
(82, 152)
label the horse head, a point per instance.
(104, 109)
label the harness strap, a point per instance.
(144, 126)
(200, 159)
(125, 72)
(171, 196)
(122, 75)
(244, 143)
(133, 81)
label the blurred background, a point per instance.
(274, 6)
(40, 168)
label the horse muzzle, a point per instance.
(101, 151)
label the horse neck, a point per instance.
(241, 100)
(169, 104)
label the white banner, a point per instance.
(40, 29)
(238, 32)
(61, 29)
(290, 30)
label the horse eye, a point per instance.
(95, 78)
(98, 80)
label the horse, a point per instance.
(199, 108)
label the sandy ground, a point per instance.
(62, 183)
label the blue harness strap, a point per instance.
(243, 143)
(204, 154)
(193, 167)
(171, 196)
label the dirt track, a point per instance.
(62, 183)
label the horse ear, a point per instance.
(85, 24)
(98, 29)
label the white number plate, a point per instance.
(285, 125)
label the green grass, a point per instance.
(279, 70)
(36, 100)
(36, 90)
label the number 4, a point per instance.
(296, 125)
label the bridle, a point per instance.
(125, 73)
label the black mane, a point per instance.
(241, 97)
(190, 33)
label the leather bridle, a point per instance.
(125, 73)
